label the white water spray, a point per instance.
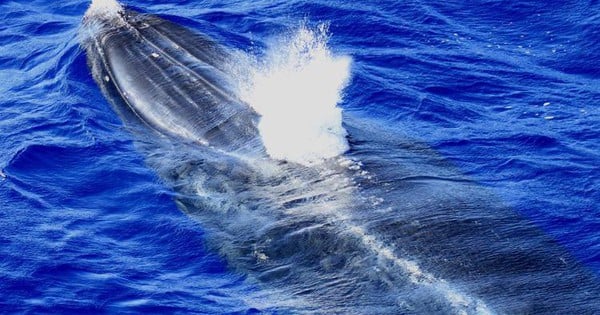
(103, 8)
(296, 91)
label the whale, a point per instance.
(355, 234)
(167, 78)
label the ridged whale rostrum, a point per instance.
(166, 77)
(358, 234)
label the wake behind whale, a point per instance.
(402, 233)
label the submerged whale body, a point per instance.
(400, 232)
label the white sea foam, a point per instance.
(296, 90)
(460, 303)
(103, 8)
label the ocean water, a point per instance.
(469, 181)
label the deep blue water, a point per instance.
(506, 92)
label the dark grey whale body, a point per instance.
(168, 78)
(434, 243)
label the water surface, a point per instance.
(473, 184)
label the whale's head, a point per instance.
(101, 17)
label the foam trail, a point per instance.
(296, 91)
(460, 302)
